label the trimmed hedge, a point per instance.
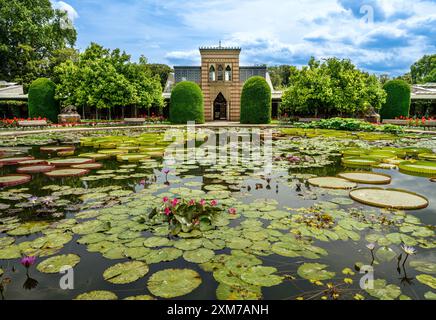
(42, 101)
(398, 100)
(256, 103)
(186, 103)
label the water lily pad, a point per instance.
(389, 198)
(34, 162)
(430, 295)
(188, 244)
(56, 149)
(360, 161)
(201, 255)
(14, 180)
(427, 280)
(426, 167)
(332, 183)
(67, 173)
(126, 272)
(70, 162)
(141, 297)
(261, 276)
(55, 264)
(423, 266)
(248, 292)
(95, 156)
(366, 177)
(97, 295)
(88, 166)
(385, 254)
(153, 242)
(314, 272)
(14, 161)
(35, 169)
(171, 283)
(383, 291)
(10, 252)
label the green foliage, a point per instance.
(256, 101)
(332, 87)
(101, 78)
(162, 70)
(398, 100)
(184, 216)
(280, 75)
(31, 32)
(186, 103)
(424, 70)
(351, 125)
(42, 101)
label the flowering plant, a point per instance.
(12, 123)
(186, 215)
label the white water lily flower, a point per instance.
(408, 250)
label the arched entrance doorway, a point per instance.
(220, 108)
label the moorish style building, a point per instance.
(221, 79)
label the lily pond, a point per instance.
(307, 214)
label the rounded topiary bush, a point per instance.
(186, 103)
(398, 100)
(256, 102)
(42, 101)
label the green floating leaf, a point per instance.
(153, 242)
(314, 272)
(430, 295)
(11, 252)
(424, 266)
(188, 244)
(427, 280)
(126, 272)
(389, 198)
(366, 177)
(385, 254)
(261, 276)
(97, 295)
(201, 255)
(383, 291)
(142, 297)
(55, 264)
(332, 183)
(249, 292)
(171, 283)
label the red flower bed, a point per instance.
(11, 123)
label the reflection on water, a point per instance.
(288, 187)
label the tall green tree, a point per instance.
(280, 75)
(31, 34)
(105, 79)
(162, 70)
(424, 70)
(331, 87)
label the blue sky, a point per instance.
(380, 36)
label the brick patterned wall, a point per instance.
(230, 89)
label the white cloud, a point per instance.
(61, 5)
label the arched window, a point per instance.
(212, 73)
(228, 75)
(220, 73)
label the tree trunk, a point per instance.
(122, 113)
(83, 112)
(136, 112)
(96, 113)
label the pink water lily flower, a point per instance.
(202, 202)
(192, 202)
(165, 199)
(232, 211)
(214, 203)
(175, 202)
(166, 171)
(167, 211)
(28, 261)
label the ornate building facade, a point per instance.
(221, 79)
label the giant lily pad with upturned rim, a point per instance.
(366, 177)
(14, 161)
(70, 162)
(14, 180)
(425, 167)
(35, 169)
(389, 198)
(332, 183)
(63, 173)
